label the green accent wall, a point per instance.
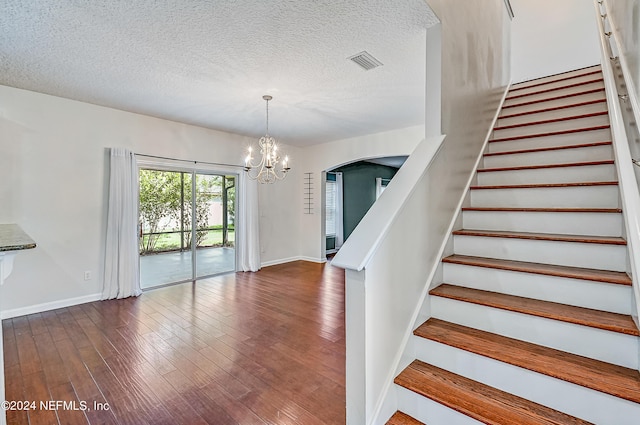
(359, 185)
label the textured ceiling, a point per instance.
(208, 62)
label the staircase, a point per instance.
(532, 321)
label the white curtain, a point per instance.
(339, 211)
(248, 226)
(122, 268)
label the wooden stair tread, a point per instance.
(550, 99)
(600, 376)
(555, 108)
(608, 240)
(543, 185)
(516, 88)
(605, 276)
(567, 86)
(577, 315)
(551, 148)
(536, 167)
(550, 133)
(479, 401)
(553, 210)
(400, 418)
(550, 121)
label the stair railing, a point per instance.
(629, 193)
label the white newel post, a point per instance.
(12, 240)
(355, 327)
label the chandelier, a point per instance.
(265, 171)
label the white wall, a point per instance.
(54, 178)
(321, 157)
(280, 208)
(552, 36)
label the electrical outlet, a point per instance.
(87, 275)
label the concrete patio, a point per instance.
(170, 267)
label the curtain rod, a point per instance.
(188, 160)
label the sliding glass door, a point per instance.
(177, 245)
(215, 224)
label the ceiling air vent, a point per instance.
(365, 60)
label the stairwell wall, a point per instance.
(395, 278)
(550, 37)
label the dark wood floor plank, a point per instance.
(14, 390)
(37, 324)
(72, 411)
(531, 83)
(400, 418)
(26, 347)
(83, 382)
(11, 357)
(553, 210)
(607, 276)
(238, 411)
(606, 240)
(552, 120)
(37, 391)
(481, 402)
(550, 133)
(513, 94)
(600, 376)
(578, 315)
(544, 185)
(551, 148)
(246, 348)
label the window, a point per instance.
(381, 185)
(331, 192)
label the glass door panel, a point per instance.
(167, 237)
(215, 211)
(163, 257)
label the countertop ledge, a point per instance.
(13, 238)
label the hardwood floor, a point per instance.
(245, 348)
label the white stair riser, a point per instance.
(549, 115)
(553, 103)
(555, 84)
(567, 139)
(577, 174)
(548, 197)
(581, 293)
(552, 126)
(570, 223)
(554, 94)
(560, 156)
(588, 255)
(572, 399)
(429, 411)
(577, 339)
(555, 78)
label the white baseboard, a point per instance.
(314, 260)
(290, 259)
(279, 261)
(39, 308)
